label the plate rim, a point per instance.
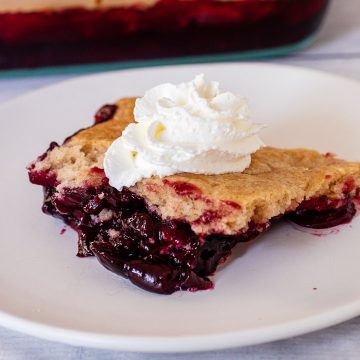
(81, 77)
(172, 344)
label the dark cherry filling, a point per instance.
(105, 113)
(154, 254)
(321, 213)
(157, 255)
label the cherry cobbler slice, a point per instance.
(171, 233)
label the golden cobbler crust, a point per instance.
(276, 181)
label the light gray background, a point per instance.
(336, 50)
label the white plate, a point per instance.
(267, 294)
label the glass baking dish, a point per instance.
(51, 33)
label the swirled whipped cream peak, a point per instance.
(191, 127)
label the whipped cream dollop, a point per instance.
(191, 127)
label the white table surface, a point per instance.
(336, 50)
